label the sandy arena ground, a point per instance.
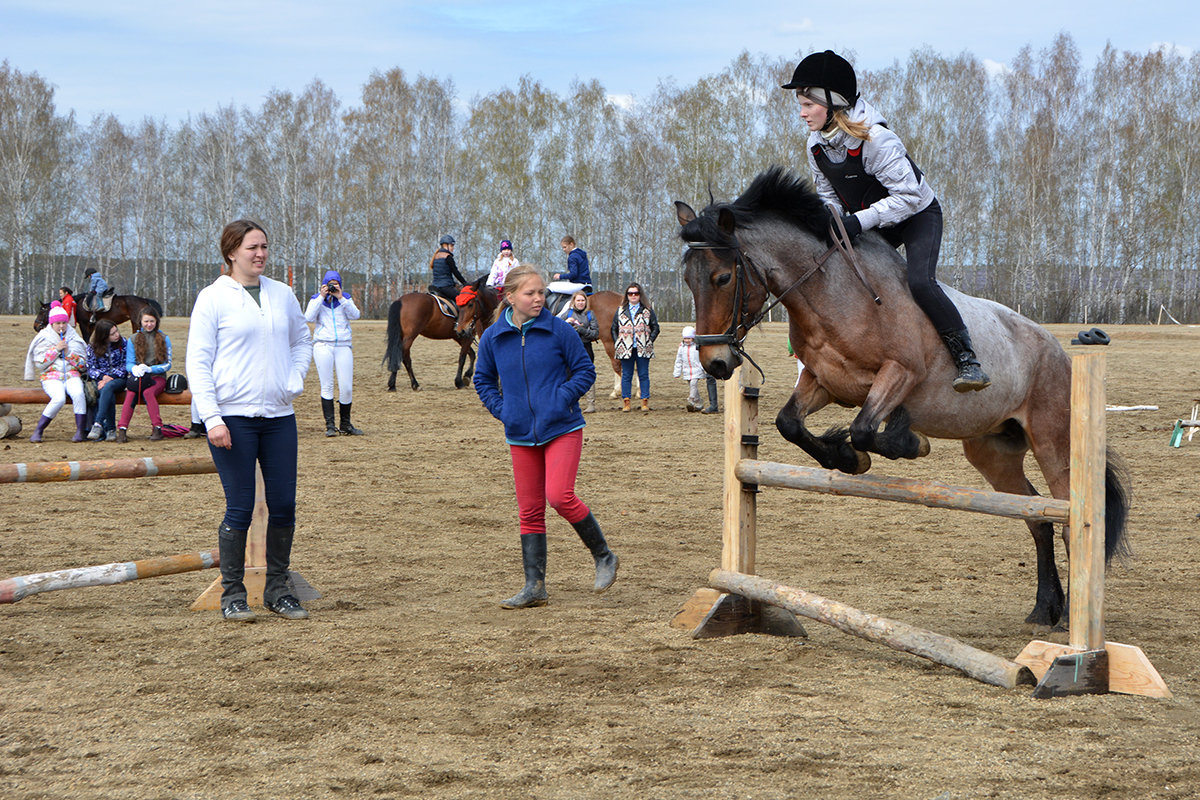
(410, 681)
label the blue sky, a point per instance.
(167, 59)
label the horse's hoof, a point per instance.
(923, 444)
(859, 462)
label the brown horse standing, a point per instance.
(125, 308)
(418, 314)
(885, 358)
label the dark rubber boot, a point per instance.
(347, 427)
(232, 545)
(41, 426)
(277, 590)
(197, 431)
(971, 377)
(156, 434)
(606, 560)
(327, 410)
(533, 556)
(80, 428)
(712, 396)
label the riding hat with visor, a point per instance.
(827, 79)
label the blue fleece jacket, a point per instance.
(543, 370)
(578, 270)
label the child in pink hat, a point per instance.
(58, 355)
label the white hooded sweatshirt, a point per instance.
(245, 359)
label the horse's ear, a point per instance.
(726, 222)
(684, 213)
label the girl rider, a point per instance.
(863, 170)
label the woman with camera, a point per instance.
(332, 310)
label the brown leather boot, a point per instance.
(645, 405)
(625, 407)
(122, 436)
(156, 433)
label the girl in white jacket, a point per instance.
(332, 310)
(248, 352)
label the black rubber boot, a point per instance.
(277, 589)
(971, 377)
(197, 431)
(327, 410)
(232, 545)
(712, 396)
(606, 560)
(347, 427)
(533, 556)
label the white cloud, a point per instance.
(995, 69)
(621, 101)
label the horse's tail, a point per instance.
(393, 357)
(1116, 506)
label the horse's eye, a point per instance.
(724, 279)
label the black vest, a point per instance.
(854, 186)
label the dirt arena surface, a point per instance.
(410, 681)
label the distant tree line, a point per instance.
(1066, 190)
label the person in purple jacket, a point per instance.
(106, 366)
(530, 372)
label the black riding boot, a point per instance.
(971, 377)
(327, 410)
(277, 591)
(606, 560)
(232, 548)
(712, 396)
(533, 556)
(347, 427)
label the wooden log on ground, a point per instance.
(10, 426)
(904, 490)
(941, 649)
(5, 409)
(14, 589)
(33, 395)
(149, 467)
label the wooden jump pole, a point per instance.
(149, 467)
(978, 664)
(33, 395)
(1087, 665)
(14, 589)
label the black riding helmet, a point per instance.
(827, 72)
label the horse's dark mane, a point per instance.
(778, 193)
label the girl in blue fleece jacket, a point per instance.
(530, 373)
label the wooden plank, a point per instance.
(903, 490)
(945, 650)
(739, 506)
(1129, 671)
(1088, 442)
(33, 395)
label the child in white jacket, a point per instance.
(687, 366)
(332, 310)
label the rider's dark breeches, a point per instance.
(921, 235)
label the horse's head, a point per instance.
(476, 302)
(726, 294)
(42, 318)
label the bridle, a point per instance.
(744, 266)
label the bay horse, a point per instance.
(124, 308)
(885, 357)
(418, 314)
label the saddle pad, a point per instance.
(445, 306)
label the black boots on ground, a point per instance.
(347, 428)
(533, 556)
(971, 377)
(232, 547)
(606, 560)
(277, 592)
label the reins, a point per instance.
(743, 264)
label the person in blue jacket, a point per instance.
(578, 270)
(530, 373)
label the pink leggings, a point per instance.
(150, 396)
(546, 473)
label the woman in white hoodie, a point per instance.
(248, 352)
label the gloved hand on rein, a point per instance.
(852, 225)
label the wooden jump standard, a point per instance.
(33, 395)
(13, 589)
(1087, 665)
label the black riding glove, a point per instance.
(852, 225)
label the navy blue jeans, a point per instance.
(643, 372)
(271, 443)
(106, 404)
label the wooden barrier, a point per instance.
(256, 549)
(33, 395)
(53, 471)
(1087, 665)
(14, 589)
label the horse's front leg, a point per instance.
(892, 384)
(832, 449)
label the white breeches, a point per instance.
(330, 359)
(58, 391)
